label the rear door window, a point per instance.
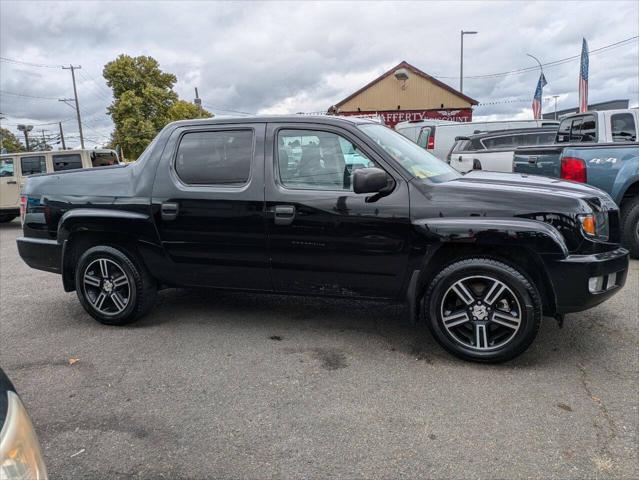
(221, 157)
(563, 134)
(424, 134)
(33, 165)
(67, 161)
(6, 167)
(623, 127)
(575, 130)
(589, 129)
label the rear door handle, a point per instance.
(11, 182)
(170, 210)
(532, 160)
(284, 214)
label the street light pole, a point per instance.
(555, 97)
(461, 60)
(26, 129)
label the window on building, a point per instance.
(33, 165)
(317, 160)
(215, 158)
(623, 127)
(67, 161)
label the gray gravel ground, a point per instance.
(225, 385)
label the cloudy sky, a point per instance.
(303, 57)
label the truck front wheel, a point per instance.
(113, 286)
(630, 226)
(482, 310)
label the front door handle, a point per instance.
(284, 214)
(11, 182)
(169, 210)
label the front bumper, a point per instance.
(42, 254)
(570, 277)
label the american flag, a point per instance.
(583, 78)
(536, 104)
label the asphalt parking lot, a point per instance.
(226, 385)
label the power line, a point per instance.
(30, 64)
(549, 64)
(4, 92)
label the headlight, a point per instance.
(595, 225)
(20, 456)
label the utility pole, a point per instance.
(461, 60)
(44, 141)
(64, 147)
(77, 104)
(555, 97)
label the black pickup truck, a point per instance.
(327, 206)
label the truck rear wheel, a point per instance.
(482, 310)
(113, 286)
(630, 226)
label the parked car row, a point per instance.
(16, 167)
(599, 148)
(329, 206)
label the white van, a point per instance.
(16, 167)
(438, 136)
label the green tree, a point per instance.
(143, 102)
(182, 110)
(10, 141)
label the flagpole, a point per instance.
(541, 75)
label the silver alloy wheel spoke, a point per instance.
(91, 280)
(456, 318)
(495, 291)
(99, 300)
(104, 269)
(481, 337)
(462, 292)
(506, 320)
(120, 281)
(118, 301)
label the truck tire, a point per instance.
(482, 310)
(113, 286)
(630, 226)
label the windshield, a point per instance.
(415, 160)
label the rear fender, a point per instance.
(100, 222)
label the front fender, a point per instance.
(537, 236)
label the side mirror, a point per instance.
(371, 180)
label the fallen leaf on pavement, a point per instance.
(73, 360)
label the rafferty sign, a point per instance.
(393, 117)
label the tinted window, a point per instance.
(33, 165)
(563, 134)
(103, 159)
(589, 129)
(67, 162)
(623, 127)
(502, 142)
(575, 130)
(312, 159)
(215, 158)
(461, 146)
(422, 141)
(6, 167)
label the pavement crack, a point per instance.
(610, 431)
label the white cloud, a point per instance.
(289, 57)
